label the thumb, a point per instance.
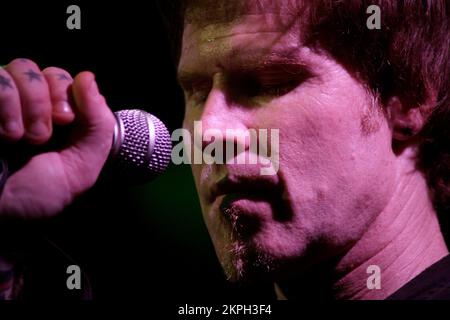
(90, 106)
(91, 144)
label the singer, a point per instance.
(363, 115)
(359, 206)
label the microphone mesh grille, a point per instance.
(139, 131)
(160, 157)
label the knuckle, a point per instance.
(55, 71)
(58, 76)
(50, 70)
(8, 96)
(21, 62)
(59, 95)
(7, 84)
(10, 115)
(58, 92)
(58, 80)
(30, 84)
(37, 116)
(38, 132)
(12, 131)
(37, 106)
(6, 75)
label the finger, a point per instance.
(59, 82)
(86, 157)
(11, 126)
(35, 100)
(90, 105)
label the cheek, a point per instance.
(336, 179)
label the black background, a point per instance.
(133, 242)
(143, 243)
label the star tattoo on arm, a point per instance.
(33, 76)
(5, 83)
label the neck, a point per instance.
(403, 241)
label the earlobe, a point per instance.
(406, 121)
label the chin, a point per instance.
(245, 262)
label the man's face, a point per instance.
(336, 169)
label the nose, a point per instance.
(223, 125)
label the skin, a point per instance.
(31, 102)
(343, 198)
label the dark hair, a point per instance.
(409, 57)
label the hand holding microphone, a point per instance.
(31, 101)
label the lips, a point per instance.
(245, 201)
(235, 210)
(245, 186)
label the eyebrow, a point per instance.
(287, 60)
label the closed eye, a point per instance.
(196, 91)
(268, 81)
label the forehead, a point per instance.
(204, 12)
(236, 31)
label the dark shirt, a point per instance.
(432, 284)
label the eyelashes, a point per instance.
(198, 91)
(266, 85)
(244, 87)
(275, 80)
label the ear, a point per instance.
(406, 121)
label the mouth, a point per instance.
(234, 209)
(244, 202)
(245, 187)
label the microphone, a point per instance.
(140, 151)
(141, 147)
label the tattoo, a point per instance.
(33, 75)
(63, 76)
(5, 83)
